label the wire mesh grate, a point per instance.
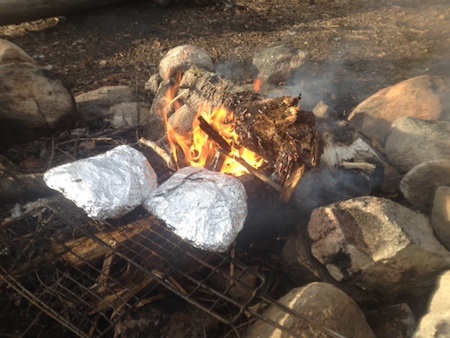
(87, 275)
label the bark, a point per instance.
(17, 11)
(276, 129)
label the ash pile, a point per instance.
(224, 209)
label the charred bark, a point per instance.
(276, 129)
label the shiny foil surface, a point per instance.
(107, 185)
(205, 208)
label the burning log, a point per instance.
(227, 150)
(271, 136)
(284, 135)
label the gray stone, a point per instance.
(322, 303)
(34, 102)
(412, 141)
(129, 114)
(181, 58)
(424, 97)
(152, 84)
(182, 119)
(137, 114)
(440, 215)
(378, 245)
(94, 105)
(277, 64)
(396, 321)
(436, 322)
(421, 182)
(11, 53)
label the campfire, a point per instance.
(213, 143)
(236, 132)
(148, 223)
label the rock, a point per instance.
(412, 141)
(424, 97)
(182, 119)
(94, 105)
(297, 261)
(181, 58)
(436, 323)
(11, 53)
(277, 64)
(137, 114)
(34, 102)
(16, 186)
(129, 114)
(324, 304)
(378, 245)
(421, 182)
(323, 111)
(152, 84)
(396, 321)
(440, 215)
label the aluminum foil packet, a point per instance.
(107, 185)
(205, 208)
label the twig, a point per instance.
(150, 300)
(256, 173)
(226, 149)
(183, 92)
(170, 280)
(359, 165)
(160, 151)
(104, 274)
(30, 209)
(214, 134)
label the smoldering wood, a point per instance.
(18, 11)
(285, 136)
(227, 149)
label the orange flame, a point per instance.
(257, 85)
(198, 150)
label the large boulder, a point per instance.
(34, 102)
(424, 97)
(436, 322)
(421, 182)
(11, 53)
(378, 245)
(323, 304)
(440, 215)
(412, 141)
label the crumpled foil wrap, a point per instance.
(107, 185)
(205, 208)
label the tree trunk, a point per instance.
(17, 11)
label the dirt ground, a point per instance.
(356, 46)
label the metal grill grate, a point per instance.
(87, 275)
